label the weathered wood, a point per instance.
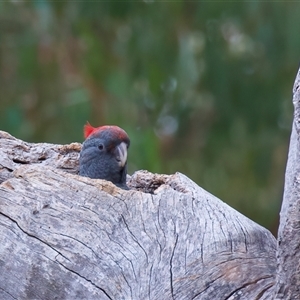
(15, 152)
(288, 253)
(68, 237)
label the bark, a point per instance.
(63, 236)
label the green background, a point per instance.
(201, 87)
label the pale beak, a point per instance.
(121, 154)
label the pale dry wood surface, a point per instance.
(288, 253)
(63, 236)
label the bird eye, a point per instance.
(101, 147)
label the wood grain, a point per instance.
(64, 236)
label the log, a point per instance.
(63, 236)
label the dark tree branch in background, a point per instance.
(69, 237)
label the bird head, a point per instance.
(104, 154)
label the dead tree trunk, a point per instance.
(63, 236)
(288, 252)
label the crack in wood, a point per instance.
(6, 292)
(134, 238)
(58, 253)
(171, 266)
(20, 161)
(238, 290)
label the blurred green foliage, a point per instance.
(203, 88)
